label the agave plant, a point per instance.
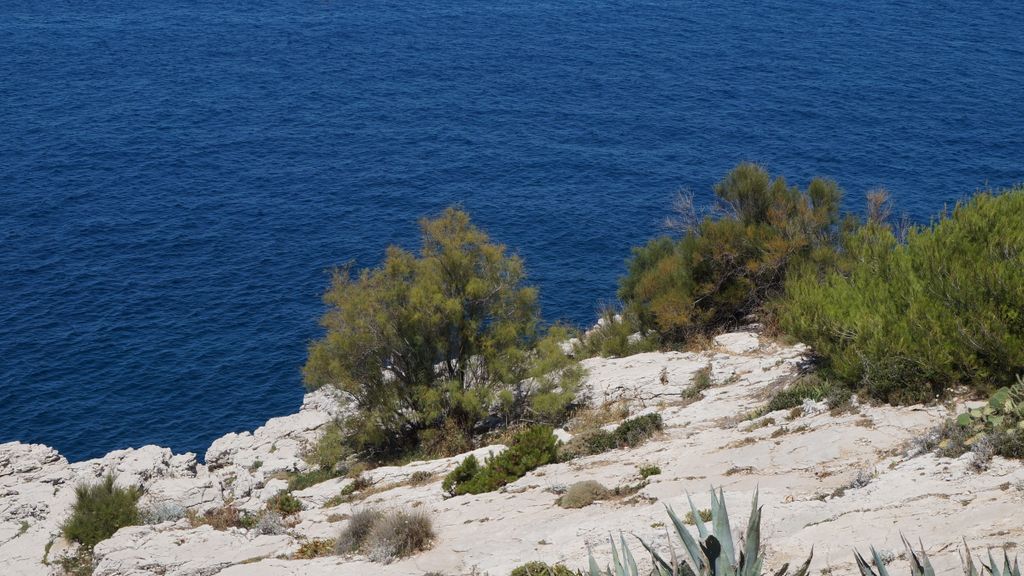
(920, 566)
(711, 553)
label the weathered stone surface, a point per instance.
(202, 551)
(804, 462)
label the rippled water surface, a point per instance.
(176, 177)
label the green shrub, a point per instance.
(907, 320)
(630, 434)
(538, 568)
(432, 340)
(284, 503)
(616, 336)
(649, 470)
(722, 270)
(355, 532)
(583, 494)
(399, 534)
(304, 480)
(100, 510)
(530, 449)
(808, 387)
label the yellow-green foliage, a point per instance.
(329, 449)
(530, 449)
(284, 503)
(723, 269)
(99, 511)
(430, 340)
(314, 548)
(614, 337)
(907, 320)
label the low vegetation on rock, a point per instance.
(530, 449)
(100, 510)
(386, 536)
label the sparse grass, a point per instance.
(701, 382)
(398, 534)
(542, 569)
(99, 511)
(705, 516)
(222, 518)
(420, 478)
(583, 494)
(284, 503)
(314, 548)
(809, 386)
(649, 470)
(162, 512)
(354, 534)
(78, 564)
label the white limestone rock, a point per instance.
(202, 551)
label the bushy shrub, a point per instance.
(906, 320)
(583, 494)
(538, 568)
(284, 503)
(724, 269)
(629, 434)
(355, 532)
(398, 534)
(616, 336)
(100, 510)
(530, 449)
(432, 340)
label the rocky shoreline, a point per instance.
(834, 481)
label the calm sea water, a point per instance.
(177, 177)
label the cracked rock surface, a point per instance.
(835, 481)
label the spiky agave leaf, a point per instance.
(697, 558)
(751, 557)
(702, 530)
(919, 563)
(968, 562)
(726, 559)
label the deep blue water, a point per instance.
(177, 177)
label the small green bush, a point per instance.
(649, 470)
(530, 449)
(399, 534)
(304, 480)
(630, 434)
(538, 568)
(701, 382)
(583, 494)
(284, 504)
(355, 532)
(222, 518)
(100, 510)
(616, 336)
(808, 387)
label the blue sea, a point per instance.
(177, 178)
